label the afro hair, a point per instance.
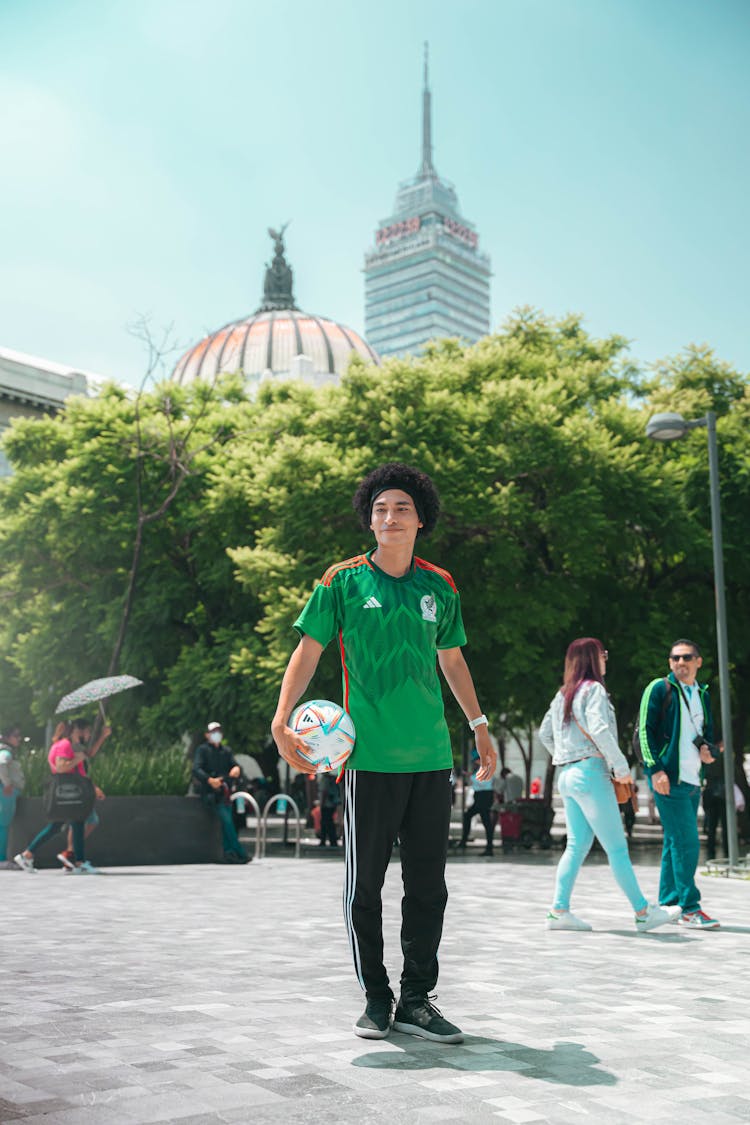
(395, 474)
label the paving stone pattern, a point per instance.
(225, 994)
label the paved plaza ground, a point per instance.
(225, 994)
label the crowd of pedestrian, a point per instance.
(218, 776)
(580, 732)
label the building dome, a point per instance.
(277, 341)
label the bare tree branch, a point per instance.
(178, 462)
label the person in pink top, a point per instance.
(62, 757)
(66, 755)
(67, 856)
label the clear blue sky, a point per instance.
(600, 146)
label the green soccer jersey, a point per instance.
(389, 631)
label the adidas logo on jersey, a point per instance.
(372, 603)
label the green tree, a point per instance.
(112, 560)
(693, 383)
(560, 520)
(555, 507)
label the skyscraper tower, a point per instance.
(425, 277)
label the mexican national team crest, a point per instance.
(428, 605)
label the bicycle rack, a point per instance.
(249, 797)
(264, 823)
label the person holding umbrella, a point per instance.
(67, 755)
(94, 691)
(67, 857)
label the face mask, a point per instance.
(215, 737)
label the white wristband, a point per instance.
(479, 722)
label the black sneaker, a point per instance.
(420, 1017)
(375, 1021)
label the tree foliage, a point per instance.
(560, 519)
(69, 519)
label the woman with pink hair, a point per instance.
(580, 732)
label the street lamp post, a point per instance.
(669, 427)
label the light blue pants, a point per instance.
(591, 810)
(7, 812)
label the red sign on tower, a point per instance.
(461, 232)
(397, 230)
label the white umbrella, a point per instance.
(95, 691)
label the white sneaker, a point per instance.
(564, 920)
(24, 862)
(86, 868)
(656, 916)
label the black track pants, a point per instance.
(415, 807)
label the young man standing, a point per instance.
(676, 730)
(395, 617)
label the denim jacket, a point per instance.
(594, 711)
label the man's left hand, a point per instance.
(706, 755)
(487, 754)
(235, 771)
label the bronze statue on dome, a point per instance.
(278, 239)
(277, 286)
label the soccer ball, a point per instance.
(328, 731)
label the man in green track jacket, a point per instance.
(676, 732)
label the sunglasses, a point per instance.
(686, 656)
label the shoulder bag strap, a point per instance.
(686, 701)
(586, 734)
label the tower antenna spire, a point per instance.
(427, 170)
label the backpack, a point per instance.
(636, 740)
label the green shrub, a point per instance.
(121, 772)
(35, 768)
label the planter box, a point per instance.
(132, 831)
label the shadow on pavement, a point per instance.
(112, 872)
(671, 935)
(568, 1064)
(667, 934)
